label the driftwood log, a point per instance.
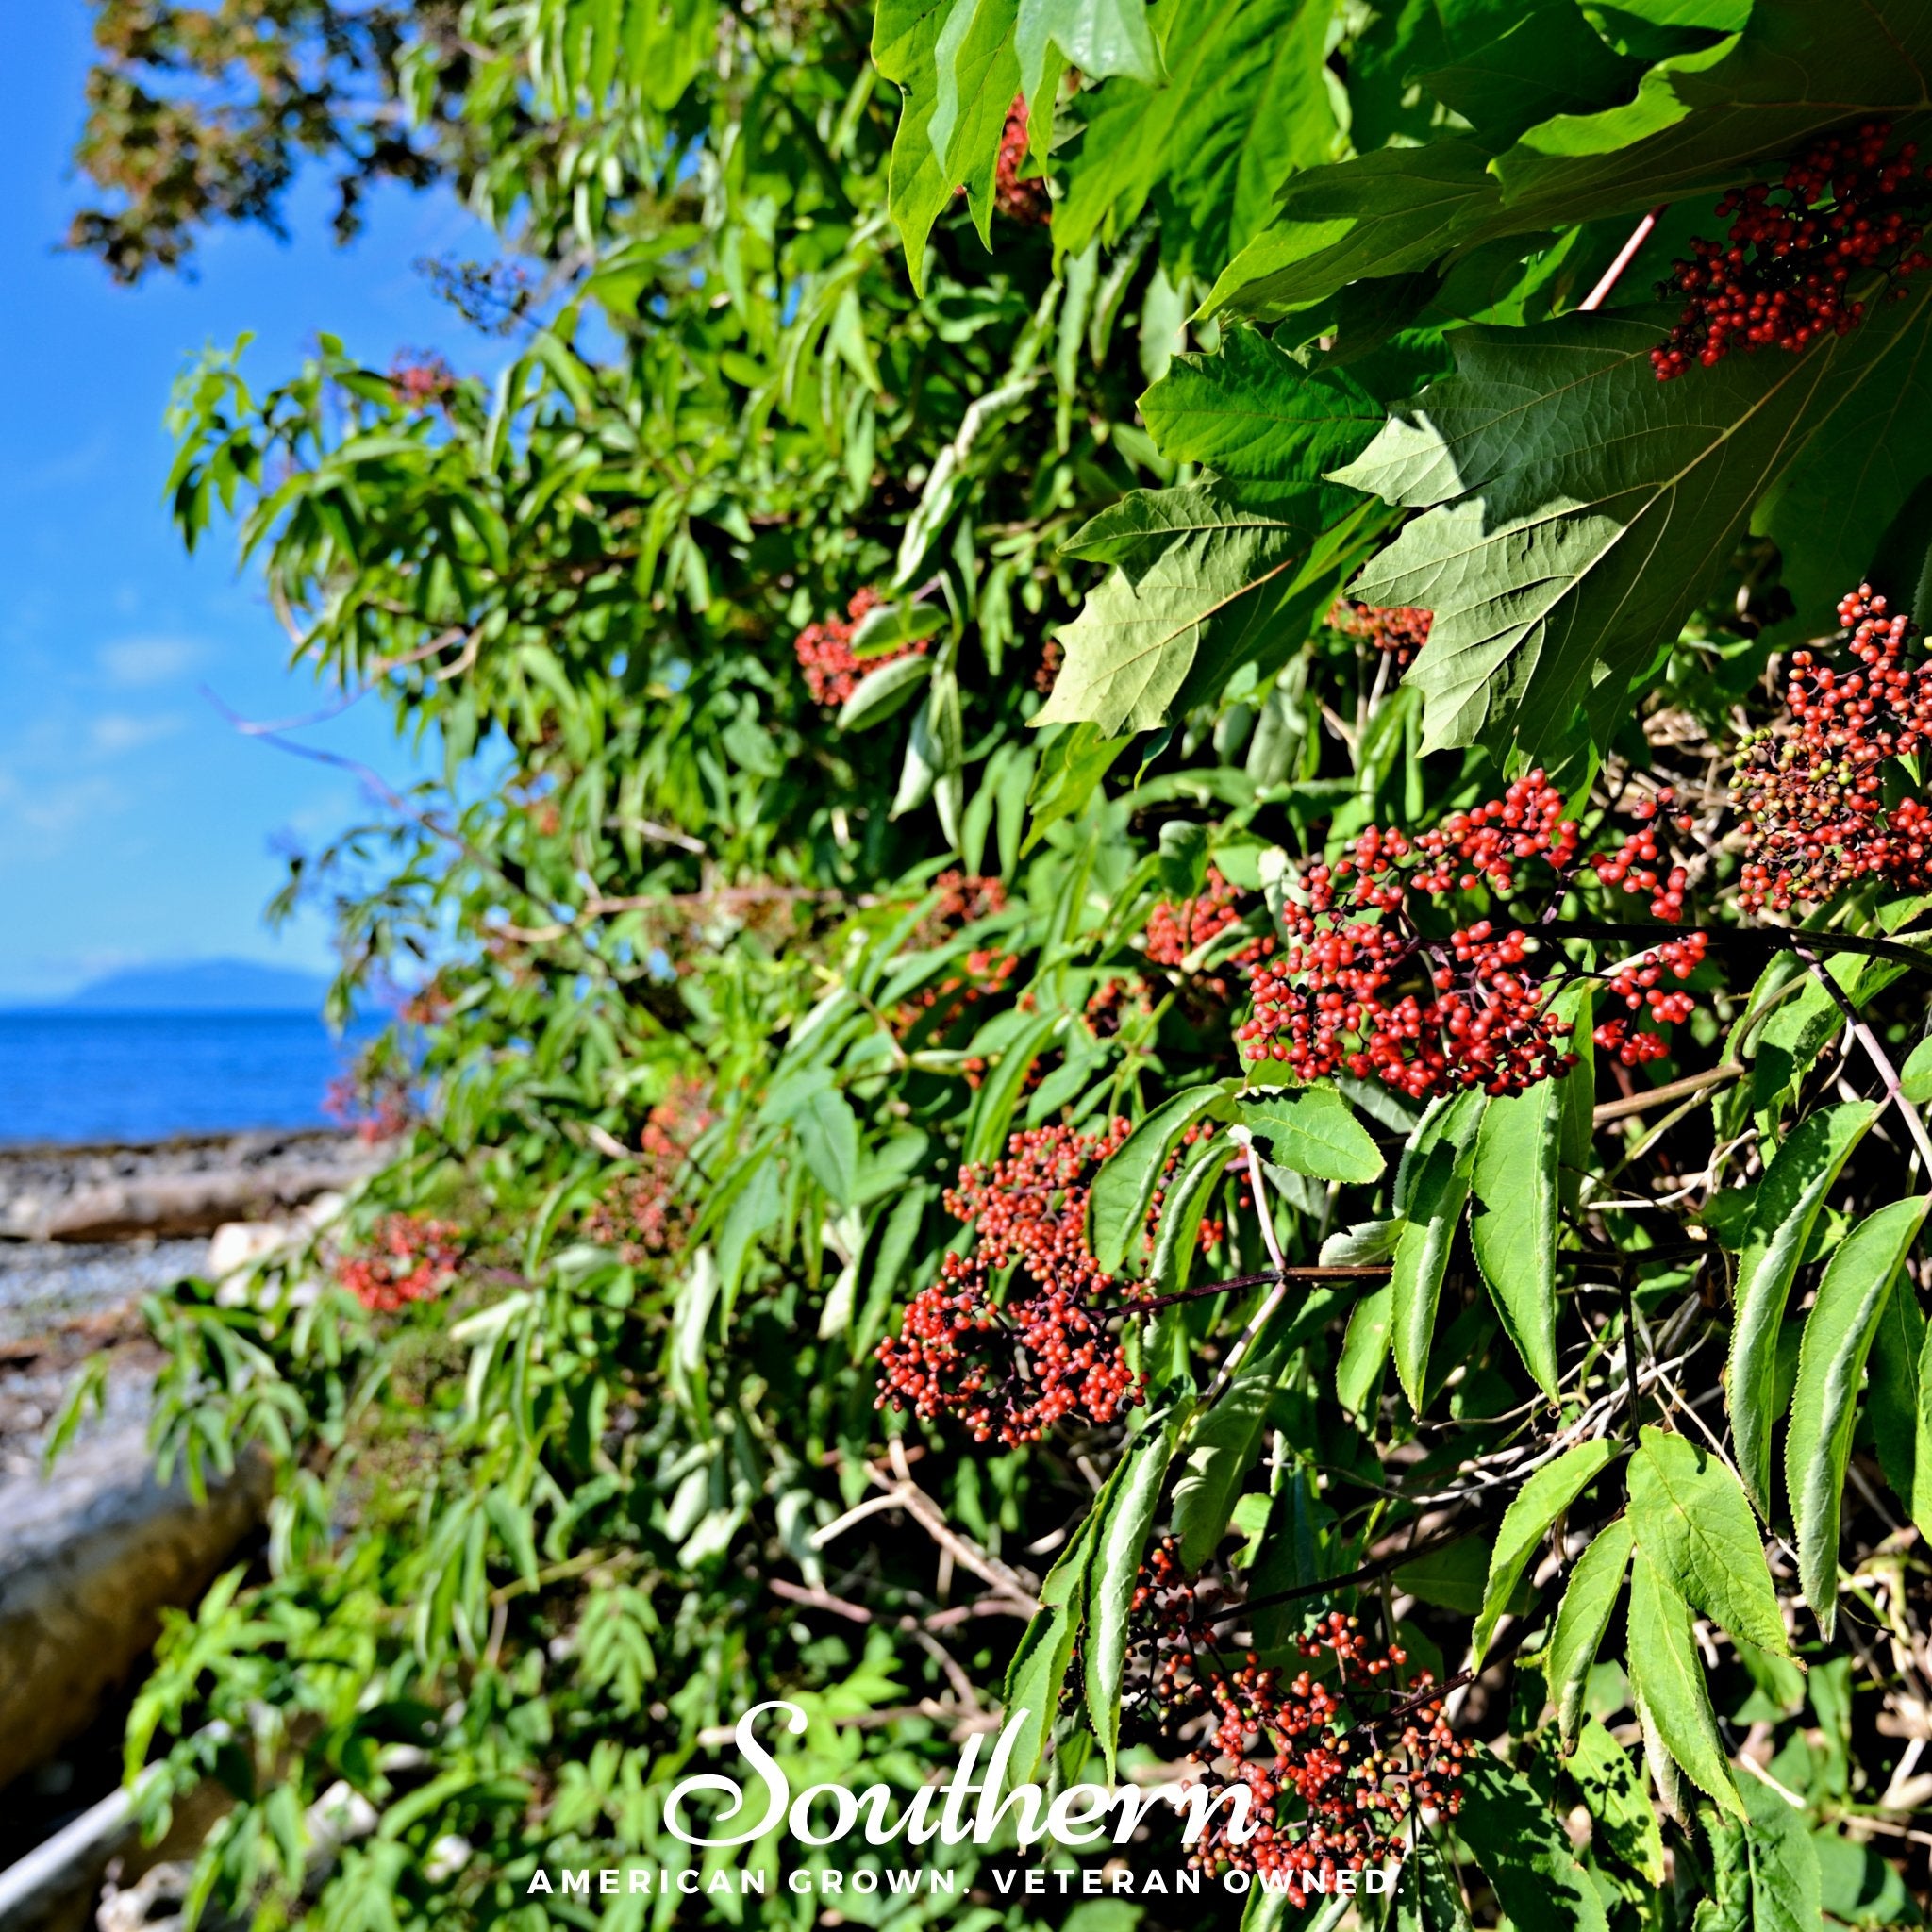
(89, 1558)
(189, 1204)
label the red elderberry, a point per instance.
(1330, 1788)
(831, 668)
(1397, 630)
(1360, 989)
(1784, 274)
(1019, 200)
(1011, 1365)
(649, 1212)
(422, 378)
(409, 1260)
(1810, 790)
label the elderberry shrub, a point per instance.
(650, 1211)
(1337, 1760)
(1810, 789)
(831, 668)
(409, 1259)
(1784, 274)
(1397, 630)
(1364, 987)
(1012, 1367)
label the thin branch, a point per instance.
(1609, 277)
(1874, 1053)
(1671, 1089)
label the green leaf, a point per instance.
(1245, 104)
(1124, 1189)
(1693, 1523)
(1782, 1210)
(1221, 1450)
(1312, 1130)
(1582, 1618)
(992, 1109)
(1785, 1891)
(828, 1133)
(1668, 1679)
(1523, 1850)
(1252, 413)
(1183, 858)
(1040, 1665)
(1442, 1158)
(1200, 577)
(1099, 37)
(882, 692)
(1534, 1507)
(1915, 1076)
(1900, 1401)
(1176, 1241)
(1618, 1800)
(1558, 560)
(1839, 1332)
(1126, 1509)
(1512, 1223)
(1365, 1348)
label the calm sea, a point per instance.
(142, 1076)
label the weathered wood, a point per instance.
(189, 1204)
(89, 1558)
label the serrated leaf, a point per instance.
(1312, 1130)
(1785, 1890)
(1512, 1221)
(1126, 1509)
(1523, 1850)
(1900, 1401)
(1668, 1675)
(1252, 413)
(1245, 104)
(1099, 37)
(828, 1133)
(1365, 1348)
(1219, 1452)
(1176, 1241)
(1582, 1618)
(1549, 1491)
(1839, 1333)
(1558, 559)
(1040, 1665)
(1123, 1188)
(1782, 1211)
(1443, 1159)
(1693, 1522)
(1618, 1800)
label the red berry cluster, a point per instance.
(1634, 865)
(1011, 1366)
(1783, 275)
(376, 1102)
(420, 378)
(1810, 790)
(1329, 1791)
(1046, 672)
(1109, 1004)
(1361, 989)
(1399, 630)
(1019, 201)
(959, 899)
(649, 1212)
(825, 655)
(1636, 983)
(410, 1259)
(1178, 928)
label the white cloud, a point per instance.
(51, 811)
(115, 732)
(133, 662)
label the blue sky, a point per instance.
(135, 826)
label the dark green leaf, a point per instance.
(1786, 1204)
(1839, 1332)
(1523, 1850)
(1667, 1677)
(1124, 1186)
(1582, 1618)
(1312, 1130)
(1532, 1511)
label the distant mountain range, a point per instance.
(204, 985)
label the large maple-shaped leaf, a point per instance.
(1201, 572)
(1698, 121)
(1578, 509)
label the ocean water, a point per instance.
(142, 1076)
